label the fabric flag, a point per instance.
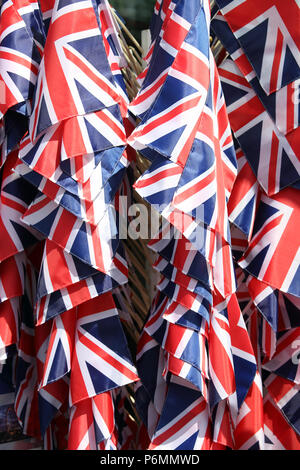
(269, 36)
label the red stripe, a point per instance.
(245, 113)
(58, 269)
(234, 77)
(143, 183)
(16, 59)
(111, 361)
(290, 106)
(273, 165)
(189, 64)
(195, 411)
(12, 204)
(174, 337)
(276, 61)
(189, 104)
(243, 64)
(174, 34)
(195, 188)
(64, 228)
(149, 91)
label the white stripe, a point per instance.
(10, 29)
(161, 185)
(49, 398)
(28, 9)
(243, 354)
(288, 396)
(70, 8)
(232, 5)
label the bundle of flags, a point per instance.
(220, 131)
(260, 78)
(216, 363)
(65, 164)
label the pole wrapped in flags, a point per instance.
(260, 83)
(195, 319)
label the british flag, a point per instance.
(285, 394)
(19, 55)
(268, 33)
(69, 297)
(284, 361)
(218, 356)
(82, 177)
(273, 157)
(179, 252)
(187, 427)
(92, 424)
(68, 63)
(279, 435)
(181, 188)
(16, 195)
(100, 135)
(283, 104)
(249, 430)
(12, 277)
(26, 393)
(164, 57)
(59, 348)
(9, 325)
(244, 197)
(101, 360)
(175, 275)
(81, 433)
(274, 230)
(87, 210)
(93, 245)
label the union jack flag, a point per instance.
(187, 426)
(99, 135)
(273, 157)
(88, 210)
(279, 435)
(283, 104)
(165, 67)
(59, 348)
(73, 31)
(16, 195)
(244, 197)
(269, 34)
(274, 242)
(19, 56)
(284, 361)
(9, 325)
(12, 274)
(93, 245)
(249, 430)
(285, 394)
(101, 360)
(69, 297)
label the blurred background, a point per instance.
(136, 13)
